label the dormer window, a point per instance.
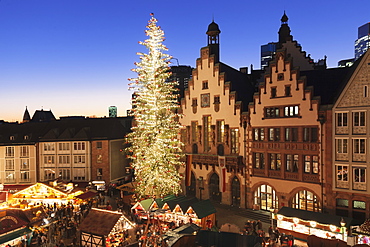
(26, 137)
(11, 138)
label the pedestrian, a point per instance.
(277, 234)
(61, 243)
(259, 225)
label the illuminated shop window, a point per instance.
(306, 200)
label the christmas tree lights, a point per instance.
(154, 147)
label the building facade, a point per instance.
(212, 130)
(70, 149)
(284, 144)
(351, 137)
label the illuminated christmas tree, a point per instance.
(154, 148)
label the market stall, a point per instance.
(302, 223)
(42, 193)
(179, 210)
(361, 233)
(17, 224)
(105, 228)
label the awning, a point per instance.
(322, 218)
(13, 235)
(86, 195)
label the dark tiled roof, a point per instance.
(42, 116)
(87, 129)
(17, 134)
(329, 83)
(65, 129)
(100, 222)
(240, 83)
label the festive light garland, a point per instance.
(155, 149)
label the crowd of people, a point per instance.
(64, 221)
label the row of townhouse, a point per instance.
(293, 135)
(69, 149)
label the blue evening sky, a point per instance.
(75, 56)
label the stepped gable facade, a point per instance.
(213, 134)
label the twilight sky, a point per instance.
(75, 56)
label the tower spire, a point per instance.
(213, 33)
(26, 116)
(284, 31)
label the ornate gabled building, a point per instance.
(351, 135)
(289, 130)
(213, 133)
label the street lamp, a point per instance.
(200, 187)
(272, 210)
(343, 227)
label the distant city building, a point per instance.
(267, 51)
(346, 62)
(76, 149)
(113, 111)
(182, 74)
(363, 40)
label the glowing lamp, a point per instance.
(313, 223)
(333, 228)
(296, 220)
(280, 217)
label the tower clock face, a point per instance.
(205, 100)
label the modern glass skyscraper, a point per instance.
(363, 41)
(267, 51)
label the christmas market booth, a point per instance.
(178, 209)
(16, 224)
(361, 233)
(106, 228)
(127, 192)
(302, 223)
(182, 236)
(42, 193)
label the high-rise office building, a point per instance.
(363, 40)
(267, 51)
(113, 111)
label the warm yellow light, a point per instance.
(296, 220)
(313, 223)
(333, 228)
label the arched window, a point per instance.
(235, 192)
(191, 190)
(306, 200)
(214, 189)
(265, 197)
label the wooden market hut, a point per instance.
(206, 212)
(99, 224)
(41, 192)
